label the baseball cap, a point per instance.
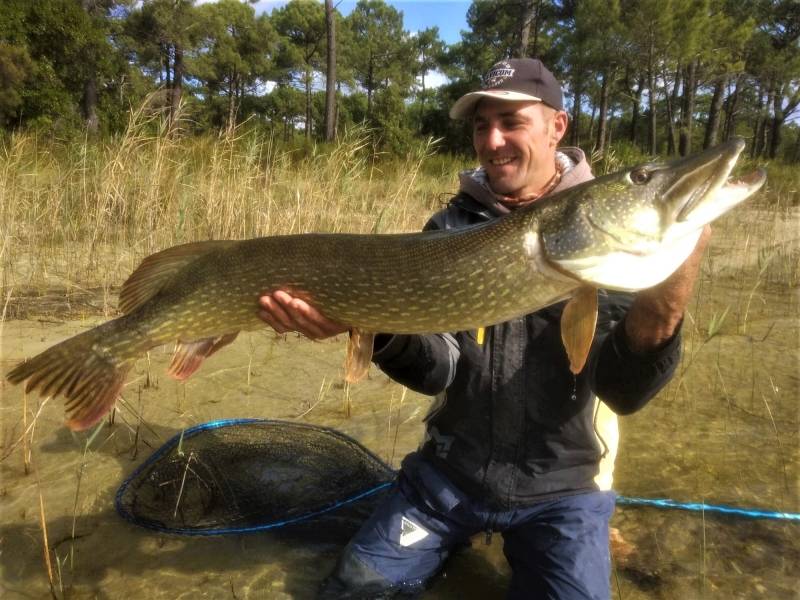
(513, 79)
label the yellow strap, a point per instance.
(479, 335)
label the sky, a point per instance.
(450, 16)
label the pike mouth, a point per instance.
(715, 198)
(737, 189)
(716, 186)
(750, 182)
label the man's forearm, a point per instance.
(652, 321)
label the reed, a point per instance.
(48, 563)
(77, 211)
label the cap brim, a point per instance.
(465, 106)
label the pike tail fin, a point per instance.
(89, 379)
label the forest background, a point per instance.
(647, 76)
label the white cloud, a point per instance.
(434, 79)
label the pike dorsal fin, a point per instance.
(359, 354)
(190, 355)
(578, 322)
(157, 269)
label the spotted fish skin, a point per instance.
(627, 231)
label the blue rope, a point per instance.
(750, 513)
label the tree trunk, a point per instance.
(89, 104)
(177, 84)
(336, 112)
(687, 109)
(636, 103)
(651, 119)
(651, 85)
(370, 83)
(758, 127)
(232, 102)
(670, 100)
(576, 114)
(330, 76)
(766, 130)
(89, 100)
(422, 81)
(536, 28)
(777, 121)
(308, 78)
(731, 109)
(166, 67)
(601, 119)
(530, 19)
(712, 127)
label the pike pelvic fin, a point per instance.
(359, 354)
(578, 322)
(190, 355)
(89, 380)
(156, 270)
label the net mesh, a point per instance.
(249, 475)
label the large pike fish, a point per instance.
(625, 231)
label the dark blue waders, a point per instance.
(557, 549)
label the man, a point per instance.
(511, 445)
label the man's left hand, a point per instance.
(657, 311)
(284, 312)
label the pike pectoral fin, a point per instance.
(359, 354)
(190, 355)
(578, 322)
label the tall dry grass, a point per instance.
(78, 214)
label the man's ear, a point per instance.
(560, 121)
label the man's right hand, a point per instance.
(284, 313)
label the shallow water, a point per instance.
(724, 431)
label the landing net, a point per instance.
(237, 476)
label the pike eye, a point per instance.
(640, 176)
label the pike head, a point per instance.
(630, 230)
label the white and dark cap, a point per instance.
(513, 79)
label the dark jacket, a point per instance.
(510, 421)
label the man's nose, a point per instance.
(494, 137)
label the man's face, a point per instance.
(516, 143)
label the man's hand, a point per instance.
(283, 312)
(656, 312)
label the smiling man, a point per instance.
(512, 443)
(514, 144)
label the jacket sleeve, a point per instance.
(626, 380)
(424, 363)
